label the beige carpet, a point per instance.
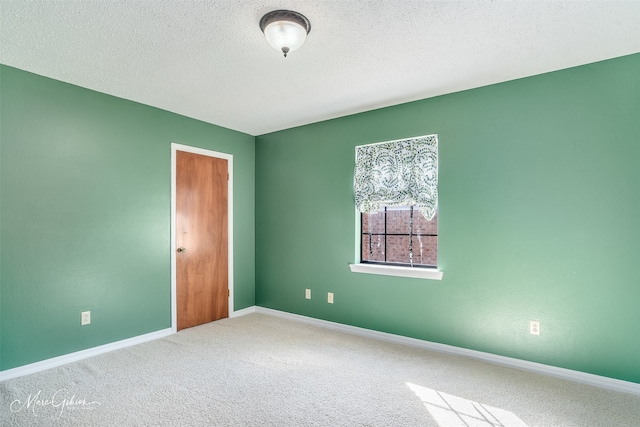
(259, 370)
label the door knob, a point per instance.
(181, 250)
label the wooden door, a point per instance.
(202, 291)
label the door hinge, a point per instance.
(228, 292)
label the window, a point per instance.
(396, 194)
(399, 236)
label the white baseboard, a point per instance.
(242, 312)
(79, 355)
(582, 377)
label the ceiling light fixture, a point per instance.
(285, 30)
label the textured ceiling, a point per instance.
(209, 60)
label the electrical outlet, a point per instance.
(85, 318)
(534, 327)
(307, 293)
(330, 297)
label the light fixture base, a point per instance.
(285, 15)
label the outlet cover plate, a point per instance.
(534, 327)
(85, 318)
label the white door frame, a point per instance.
(229, 157)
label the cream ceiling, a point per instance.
(209, 60)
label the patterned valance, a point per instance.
(398, 173)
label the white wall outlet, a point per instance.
(330, 297)
(307, 293)
(85, 318)
(534, 327)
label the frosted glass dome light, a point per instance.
(285, 30)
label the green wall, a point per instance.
(539, 220)
(85, 215)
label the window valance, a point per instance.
(397, 173)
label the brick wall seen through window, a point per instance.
(385, 237)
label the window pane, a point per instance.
(377, 248)
(422, 226)
(425, 250)
(398, 249)
(376, 220)
(398, 220)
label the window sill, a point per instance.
(389, 270)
